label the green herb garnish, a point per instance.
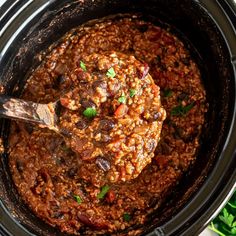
(132, 92)
(127, 217)
(181, 110)
(103, 192)
(78, 199)
(225, 223)
(90, 112)
(167, 93)
(111, 73)
(83, 66)
(122, 99)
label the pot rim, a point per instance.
(214, 192)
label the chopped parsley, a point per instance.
(181, 110)
(122, 99)
(127, 217)
(225, 223)
(111, 73)
(83, 66)
(104, 190)
(90, 112)
(167, 93)
(78, 199)
(132, 92)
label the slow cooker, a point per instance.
(28, 27)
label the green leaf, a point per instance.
(83, 66)
(226, 217)
(122, 99)
(167, 93)
(78, 199)
(104, 190)
(213, 228)
(224, 224)
(111, 73)
(90, 112)
(181, 110)
(127, 217)
(231, 205)
(233, 230)
(132, 92)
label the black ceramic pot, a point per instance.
(28, 27)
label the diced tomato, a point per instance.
(121, 110)
(64, 101)
(110, 196)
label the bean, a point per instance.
(103, 163)
(105, 138)
(151, 145)
(65, 132)
(91, 221)
(87, 103)
(82, 124)
(153, 116)
(99, 83)
(72, 172)
(106, 124)
(143, 73)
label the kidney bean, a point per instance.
(72, 172)
(142, 73)
(103, 163)
(96, 223)
(99, 83)
(87, 103)
(65, 132)
(105, 138)
(58, 81)
(151, 145)
(106, 124)
(82, 124)
(153, 117)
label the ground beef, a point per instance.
(56, 184)
(113, 115)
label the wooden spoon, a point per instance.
(45, 115)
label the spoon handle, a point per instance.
(18, 109)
